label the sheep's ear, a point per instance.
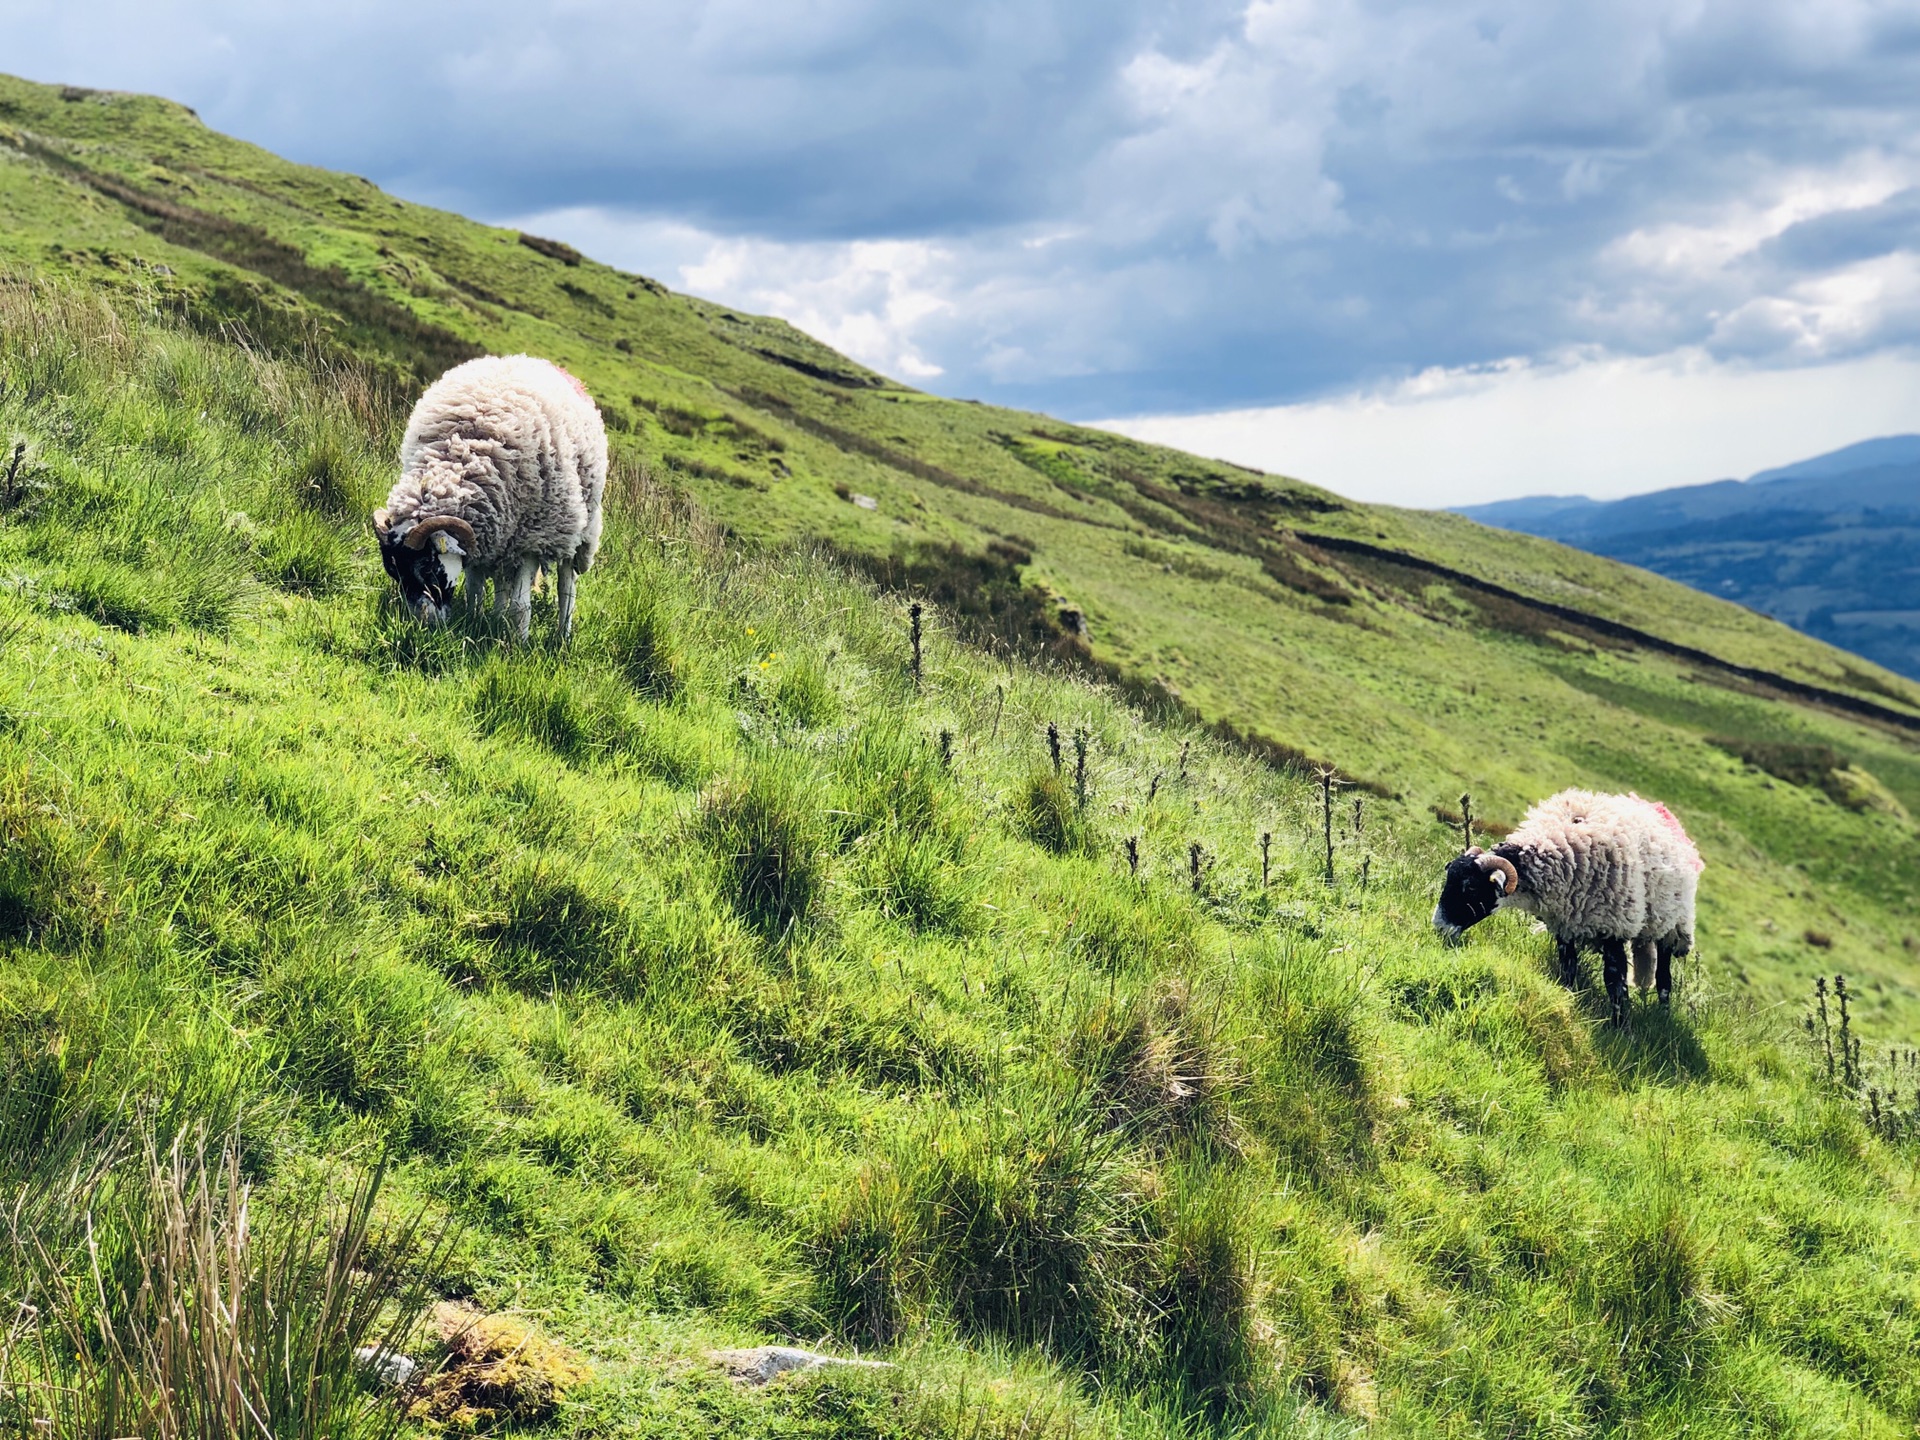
(445, 544)
(382, 520)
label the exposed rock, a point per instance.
(389, 1367)
(760, 1364)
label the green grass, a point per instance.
(720, 1001)
(1196, 579)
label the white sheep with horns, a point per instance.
(1612, 871)
(502, 471)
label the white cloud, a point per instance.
(1842, 312)
(1700, 249)
(865, 298)
(1587, 425)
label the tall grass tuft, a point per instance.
(1047, 1229)
(48, 892)
(642, 635)
(152, 1297)
(1649, 1282)
(1045, 812)
(765, 829)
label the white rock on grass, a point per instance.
(389, 1367)
(762, 1363)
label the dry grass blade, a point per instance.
(187, 1315)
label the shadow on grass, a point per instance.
(1659, 1047)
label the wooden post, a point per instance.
(1326, 814)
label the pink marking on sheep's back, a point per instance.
(572, 380)
(1672, 822)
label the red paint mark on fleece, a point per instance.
(572, 381)
(1672, 822)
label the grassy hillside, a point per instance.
(1195, 579)
(726, 986)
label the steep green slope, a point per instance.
(1242, 595)
(729, 985)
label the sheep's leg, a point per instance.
(1645, 961)
(1570, 964)
(1614, 954)
(474, 590)
(1663, 971)
(520, 607)
(563, 592)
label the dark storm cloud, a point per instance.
(1140, 204)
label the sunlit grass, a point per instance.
(723, 1002)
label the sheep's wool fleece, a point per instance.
(1606, 867)
(514, 446)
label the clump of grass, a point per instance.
(1206, 1290)
(350, 1027)
(1045, 812)
(916, 880)
(805, 695)
(48, 890)
(305, 554)
(1309, 1091)
(1154, 1062)
(113, 595)
(1131, 930)
(673, 748)
(541, 699)
(898, 811)
(1025, 1228)
(549, 923)
(1046, 1229)
(643, 637)
(328, 476)
(189, 1313)
(765, 830)
(1649, 1282)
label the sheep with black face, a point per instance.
(1614, 872)
(503, 468)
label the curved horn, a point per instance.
(418, 536)
(1503, 867)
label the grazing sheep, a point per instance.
(1612, 871)
(502, 470)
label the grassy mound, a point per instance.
(725, 982)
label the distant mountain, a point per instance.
(1829, 545)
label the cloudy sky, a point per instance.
(1433, 251)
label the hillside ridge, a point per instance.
(1823, 544)
(1797, 689)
